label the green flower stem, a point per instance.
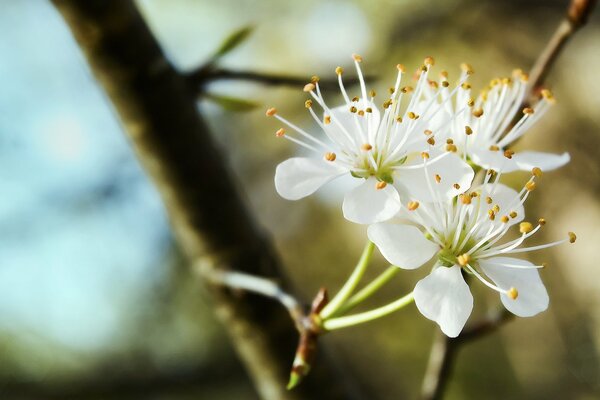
(368, 290)
(350, 284)
(355, 319)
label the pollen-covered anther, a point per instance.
(399, 120)
(548, 95)
(353, 109)
(528, 111)
(467, 68)
(513, 214)
(369, 110)
(466, 86)
(308, 103)
(431, 140)
(445, 84)
(542, 221)
(387, 104)
(372, 93)
(429, 61)
(525, 227)
(271, 111)
(434, 84)
(412, 205)
(361, 112)
(380, 185)
(280, 132)
(572, 237)
(530, 186)
(314, 79)
(508, 154)
(489, 200)
(366, 147)
(449, 141)
(437, 178)
(357, 58)
(504, 219)
(400, 67)
(463, 259)
(329, 156)
(391, 90)
(465, 199)
(537, 172)
(427, 132)
(494, 148)
(456, 186)
(339, 70)
(309, 87)
(406, 89)
(471, 102)
(478, 113)
(424, 155)
(411, 115)
(468, 130)
(451, 148)
(513, 293)
(355, 99)
(496, 208)
(491, 215)
(327, 120)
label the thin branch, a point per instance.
(203, 76)
(576, 17)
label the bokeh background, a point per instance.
(95, 299)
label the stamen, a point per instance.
(438, 178)
(413, 205)
(512, 293)
(525, 227)
(542, 221)
(380, 185)
(537, 172)
(271, 111)
(468, 130)
(309, 87)
(530, 186)
(366, 147)
(280, 132)
(463, 259)
(528, 111)
(572, 237)
(330, 156)
(308, 103)
(339, 70)
(357, 58)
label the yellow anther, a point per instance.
(400, 67)
(361, 112)
(491, 215)
(355, 99)
(537, 172)
(353, 109)
(431, 140)
(399, 120)
(271, 111)
(445, 84)
(451, 148)
(456, 186)
(309, 87)
(444, 74)
(314, 79)
(467, 68)
(327, 120)
(468, 130)
(308, 103)
(366, 147)
(471, 102)
(387, 104)
(506, 81)
(465, 86)
(433, 84)
(547, 95)
(449, 141)
(542, 221)
(391, 90)
(380, 185)
(465, 198)
(425, 155)
(513, 293)
(438, 178)
(369, 109)
(478, 113)
(372, 93)
(339, 70)
(572, 237)
(411, 115)
(525, 227)
(496, 208)
(406, 89)
(427, 132)
(513, 214)
(489, 200)
(413, 205)
(530, 186)
(429, 61)
(504, 219)
(528, 111)
(330, 156)
(508, 154)
(280, 132)
(494, 148)
(463, 259)
(357, 58)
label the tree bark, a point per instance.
(158, 110)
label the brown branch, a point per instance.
(211, 222)
(205, 75)
(576, 17)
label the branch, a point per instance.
(576, 17)
(158, 111)
(206, 75)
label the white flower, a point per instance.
(380, 147)
(482, 129)
(465, 234)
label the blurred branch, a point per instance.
(208, 74)
(444, 351)
(576, 17)
(158, 110)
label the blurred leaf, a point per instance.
(232, 103)
(233, 40)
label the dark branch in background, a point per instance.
(203, 76)
(158, 111)
(444, 349)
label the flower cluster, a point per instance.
(428, 163)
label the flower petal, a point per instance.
(298, 177)
(450, 168)
(495, 160)
(444, 297)
(526, 160)
(402, 245)
(366, 204)
(532, 295)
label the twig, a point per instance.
(577, 15)
(203, 76)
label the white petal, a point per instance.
(444, 297)
(298, 177)
(532, 295)
(366, 204)
(495, 160)
(402, 245)
(526, 160)
(451, 169)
